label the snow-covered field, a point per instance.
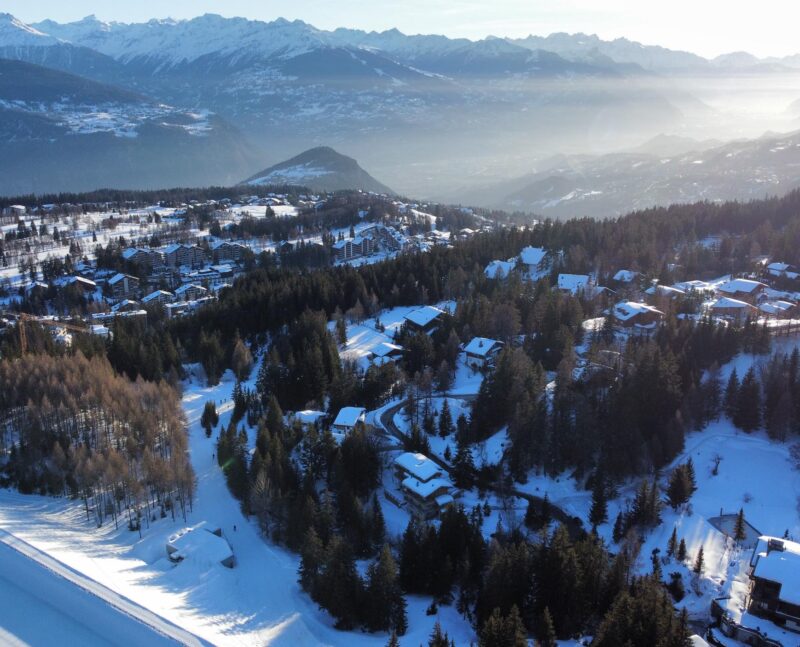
(256, 603)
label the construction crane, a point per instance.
(24, 318)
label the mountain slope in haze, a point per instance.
(62, 132)
(320, 169)
(611, 185)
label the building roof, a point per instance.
(481, 346)
(625, 276)
(199, 542)
(727, 302)
(741, 285)
(778, 267)
(417, 465)
(385, 348)
(424, 316)
(695, 285)
(155, 295)
(573, 282)
(349, 416)
(189, 286)
(498, 269)
(628, 309)
(119, 277)
(665, 290)
(425, 489)
(776, 307)
(532, 255)
(780, 566)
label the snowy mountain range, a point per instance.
(425, 109)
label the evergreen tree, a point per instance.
(698, 562)
(681, 554)
(619, 528)
(547, 632)
(747, 413)
(210, 418)
(311, 559)
(731, 395)
(463, 466)
(658, 574)
(445, 420)
(598, 514)
(385, 606)
(672, 544)
(499, 631)
(439, 638)
(739, 530)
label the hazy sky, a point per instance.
(707, 27)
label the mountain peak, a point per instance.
(321, 169)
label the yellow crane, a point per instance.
(24, 318)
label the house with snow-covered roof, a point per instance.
(349, 418)
(625, 276)
(779, 309)
(575, 283)
(201, 543)
(630, 314)
(775, 581)
(733, 309)
(158, 296)
(384, 352)
(534, 260)
(742, 290)
(499, 269)
(426, 491)
(782, 269)
(423, 319)
(481, 352)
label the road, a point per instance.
(573, 524)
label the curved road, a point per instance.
(573, 524)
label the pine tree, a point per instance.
(547, 632)
(619, 528)
(445, 420)
(394, 641)
(672, 544)
(438, 637)
(729, 402)
(378, 526)
(698, 562)
(681, 554)
(747, 415)
(739, 530)
(210, 418)
(658, 574)
(599, 510)
(463, 465)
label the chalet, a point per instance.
(284, 247)
(126, 305)
(159, 296)
(630, 314)
(575, 283)
(626, 276)
(424, 319)
(201, 543)
(779, 309)
(14, 210)
(657, 294)
(775, 582)
(123, 286)
(481, 352)
(227, 251)
(733, 309)
(782, 269)
(385, 352)
(743, 290)
(180, 255)
(349, 418)
(499, 269)
(533, 260)
(424, 488)
(190, 292)
(699, 287)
